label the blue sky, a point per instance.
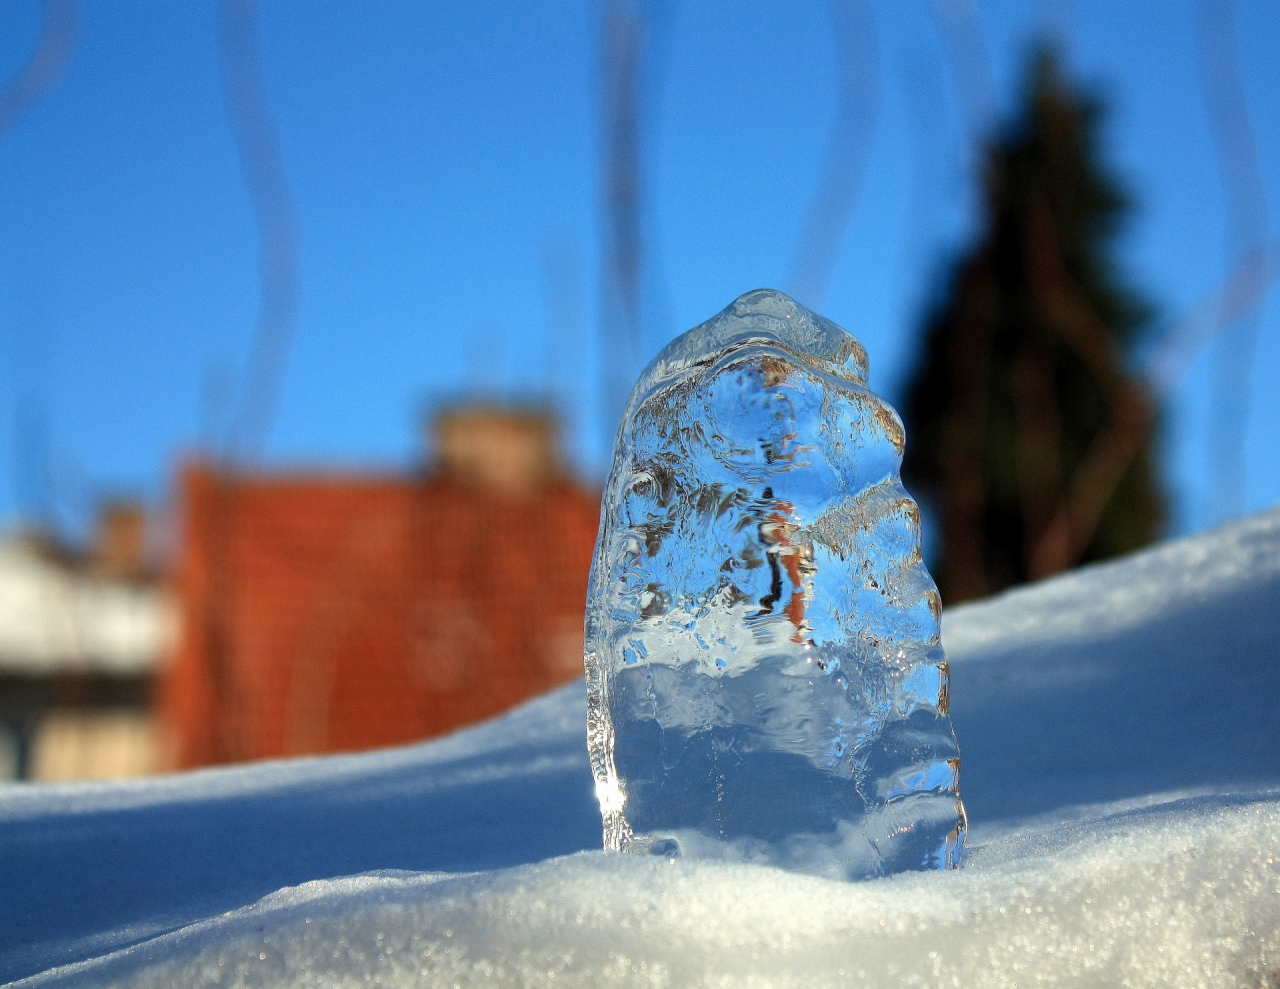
(438, 154)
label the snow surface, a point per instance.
(1118, 728)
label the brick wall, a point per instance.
(325, 614)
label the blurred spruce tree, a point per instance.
(1025, 431)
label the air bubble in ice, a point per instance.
(765, 677)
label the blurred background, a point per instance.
(316, 320)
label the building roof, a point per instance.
(56, 617)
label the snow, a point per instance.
(1118, 729)
(1104, 905)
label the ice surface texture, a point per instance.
(765, 679)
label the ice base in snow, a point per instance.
(765, 678)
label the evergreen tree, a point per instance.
(1025, 432)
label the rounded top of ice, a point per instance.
(766, 317)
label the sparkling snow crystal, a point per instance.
(764, 673)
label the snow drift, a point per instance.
(1118, 725)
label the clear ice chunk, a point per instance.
(765, 678)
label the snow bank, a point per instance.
(1156, 672)
(1184, 895)
(1118, 729)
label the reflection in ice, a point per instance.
(765, 677)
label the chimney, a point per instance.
(513, 450)
(119, 546)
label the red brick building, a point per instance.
(324, 613)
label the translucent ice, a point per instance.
(765, 680)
